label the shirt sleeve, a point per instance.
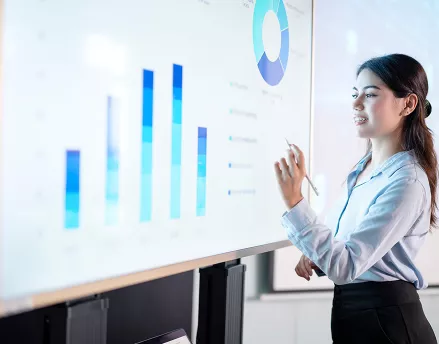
(389, 219)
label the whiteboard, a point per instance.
(140, 134)
(343, 40)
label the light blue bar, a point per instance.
(201, 171)
(146, 147)
(175, 189)
(112, 187)
(112, 174)
(112, 197)
(72, 190)
(175, 170)
(72, 220)
(146, 167)
(147, 134)
(112, 210)
(176, 107)
(201, 196)
(145, 197)
(146, 183)
(176, 142)
(72, 210)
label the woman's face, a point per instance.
(377, 112)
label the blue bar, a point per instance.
(202, 171)
(176, 141)
(72, 200)
(112, 175)
(146, 148)
(178, 77)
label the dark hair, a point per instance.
(404, 76)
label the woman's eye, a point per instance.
(369, 95)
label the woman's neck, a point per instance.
(383, 149)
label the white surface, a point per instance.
(343, 40)
(63, 58)
(182, 340)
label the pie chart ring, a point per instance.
(271, 71)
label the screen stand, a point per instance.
(221, 303)
(77, 322)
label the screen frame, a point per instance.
(10, 307)
(40, 300)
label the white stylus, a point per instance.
(309, 180)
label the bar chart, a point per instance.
(113, 149)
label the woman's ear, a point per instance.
(411, 102)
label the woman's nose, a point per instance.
(358, 104)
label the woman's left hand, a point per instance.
(290, 175)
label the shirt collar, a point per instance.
(391, 165)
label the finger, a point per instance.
(299, 270)
(278, 172)
(308, 266)
(300, 160)
(285, 168)
(301, 273)
(292, 163)
(303, 268)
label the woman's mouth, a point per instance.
(360, 120)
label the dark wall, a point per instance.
(135, 313)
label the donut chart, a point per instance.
(271, 71)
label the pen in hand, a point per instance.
(306, 176)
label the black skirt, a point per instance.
(379, 313)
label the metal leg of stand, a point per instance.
(221, 303)
(79, 322)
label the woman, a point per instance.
(379, 226)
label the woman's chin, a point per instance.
(363, 134)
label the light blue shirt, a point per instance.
(375, 230)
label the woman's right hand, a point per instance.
(304, 268)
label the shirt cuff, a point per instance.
(299, 217)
